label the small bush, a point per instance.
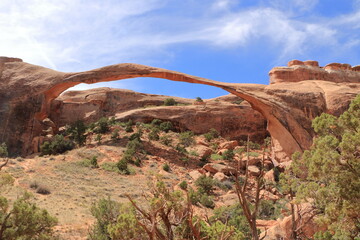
(122, 165)
(102, 126)
(154, 134)
(41, 189)
(128, 126)
(156, 122)
(183, 185)
(3, 150)
(211, 134)
(115, 135)
(216, 157)
(205, 184)
(187, 138)
(199, 99)
(34, 185)
(228, 155)
(98, 138)
(166, 126)
(169, 102)
(253, 154)
(94, 162)
(57, 145)
(110, 166)
(194, 153)
(207, 201)
(166, 140)
(166, 167)
(180, 149)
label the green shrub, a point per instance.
(211, 134)
(57, 145)
(166, 126)
(169, 102)
(98, 138)
(194, 153)
(3, 150)
(205, 184)
(76, 132)
(128, 126)
(166, 140)
(24, 220)
(183, 185)
(186, 138)
(154, 134)
(94, 162)
(110, 166)
(115, 135)
(207, 201)
(216, 157)
(228, 155)
(180, 149)
(199, 99)
(156, 122)
(122, 165)
(166, 167)
(102, 126)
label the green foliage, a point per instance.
(228, 155)
(154, 134)
(180, 149)
(105, 212)
(205, 184)
(169, 102)
(194, 153)
(238, 101)
(166, 140)
(115, 135)
(3, 150)
(25, 220)
(57, 145)
(183, 185)
(98, 138)
(110, 166)
(232, 216)
(211, 134)
(199, 99)
(207, 201)
(218, 230)
(166, 126)
(122, 165)
(166, 167)
(102, 126)
(187, 138)
(76, 132)
(128, 126)
(94, 162)
(216, 157)
(329, 172)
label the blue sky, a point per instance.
(224, 40)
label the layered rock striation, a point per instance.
(28, 91)
(232, 118)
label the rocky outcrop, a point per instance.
(298, 71)
(27, 92)
(232, 118)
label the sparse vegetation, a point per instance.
(56, 146)
(211, 134)
(199, 99)
(186, 138)
(169, 102)
(166, 167)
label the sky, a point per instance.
(225, 40)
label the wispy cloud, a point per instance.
(74, 34)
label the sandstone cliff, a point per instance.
(230, 118)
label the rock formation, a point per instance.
(27, 92)
(230, 118)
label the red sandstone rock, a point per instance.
(28, 91)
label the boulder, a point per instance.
(195, 174)
(254, 171)
(228, 145)
(220, 176)
(215, 168)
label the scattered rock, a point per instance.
(220, 176)
(229, 145)
(215, 168)
(195, 174)
(253, 170)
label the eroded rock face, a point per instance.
(27, 92)
(231, 119)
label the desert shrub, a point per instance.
(112, 121)
(254, 145)
(183, 185)
(57, 145)
(232, 216)
(186, 138)
(76, 131)
(102, 126)
(238, 101)
(216, 157)
(154, 134)
(98, 138)
(166, 126)
(194, 153)
(166, 140)
(166, 167)
(110, 166)
(128, 126)
(122, 165)
(115, 135)
(94, 162)
(180, 149)
(199, 99)
(254, 154)
(156, 122)
(211, 134)
(207, 201)
(3, 150)
(42, 189)
(136, 136)
(34, 185)
(228, 155)
(217, 230)
(169, 102)
(24, 220)
(205, 184)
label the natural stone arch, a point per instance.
(288, 107)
